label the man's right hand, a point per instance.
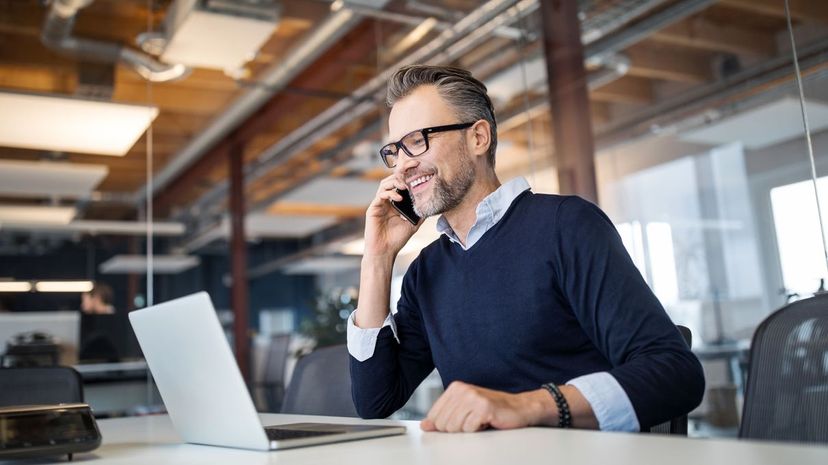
(386, 231)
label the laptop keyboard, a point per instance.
(280, 434)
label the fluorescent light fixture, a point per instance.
(65, 124)
(36, 214)
(37, 179)
(195, 42)
(63, 286)
(161, 264)
(15, 286)
(112, 228)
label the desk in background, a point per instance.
(114, 389)
(142, 440)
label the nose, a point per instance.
(405, 162)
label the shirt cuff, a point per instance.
(609, 402)
(362, 342)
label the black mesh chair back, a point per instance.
(273, 380)
(677, 425)
(40, 385)
(786, 398)
(321, 384)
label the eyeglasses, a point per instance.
(415, 143)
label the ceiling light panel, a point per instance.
(64, 286)
(65, 124)
(161, 264)
(335, 191)
(282, 226)
(193, 40)
(36, 214)
(37, 179)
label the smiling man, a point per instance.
(528, 305)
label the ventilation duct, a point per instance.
(57, 35)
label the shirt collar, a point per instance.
(489, 211)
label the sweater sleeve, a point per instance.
(383, 383)
(623, 318)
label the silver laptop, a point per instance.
(203, 390)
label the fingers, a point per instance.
(462, 407)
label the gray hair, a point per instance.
(465, 94)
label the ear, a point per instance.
(480, 137)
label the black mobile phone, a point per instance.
(406, 207)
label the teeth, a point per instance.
(420, 180)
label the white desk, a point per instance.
(151, 440)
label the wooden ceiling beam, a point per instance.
(629, 89)
(307, 209)
(702, 34)
(669, 64)
(802, 10)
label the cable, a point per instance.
(807, 130)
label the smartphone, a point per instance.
(406, 207)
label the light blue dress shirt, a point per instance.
(609, 402)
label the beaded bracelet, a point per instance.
(564, 416)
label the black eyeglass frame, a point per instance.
(425, 132)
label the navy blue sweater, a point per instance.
(546, 295)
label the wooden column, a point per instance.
(568, 98)
(238, 257)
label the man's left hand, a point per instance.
(465, 407)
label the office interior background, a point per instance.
(166, 147)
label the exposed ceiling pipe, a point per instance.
(272, 80)
(57, 35)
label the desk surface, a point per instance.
(151, 440)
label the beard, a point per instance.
(447, 194)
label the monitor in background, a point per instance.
(106, 338)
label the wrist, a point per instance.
(542, 408)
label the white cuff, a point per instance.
(362, 342)
(609, 402)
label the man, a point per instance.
(528, 305)
(98, 301)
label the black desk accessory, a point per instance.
(47, 430)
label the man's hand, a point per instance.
(386, 232)
(465, 407)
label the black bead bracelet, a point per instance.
(564, 416)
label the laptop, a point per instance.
(203, 390)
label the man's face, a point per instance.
(438, 179)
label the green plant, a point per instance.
(327, 323)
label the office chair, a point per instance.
(786, 398)
(40, 385)
(273, 380)
(678, 425)
(321, 384)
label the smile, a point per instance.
(420, 180)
